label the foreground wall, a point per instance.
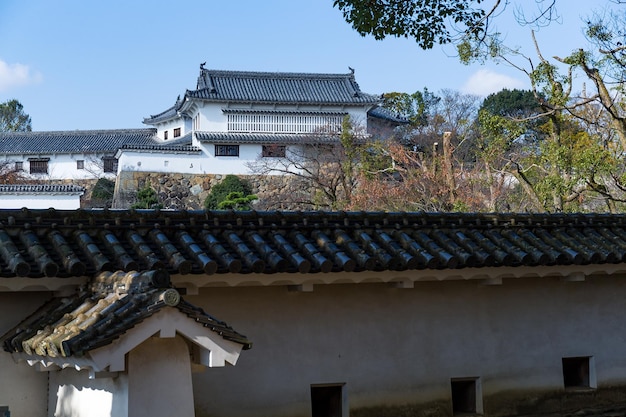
(396, 350)
(22, 388)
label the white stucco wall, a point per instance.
(73, 394)
(64, 166)
(22, 388)
(396, 346)
(159, 373)
(40, 201)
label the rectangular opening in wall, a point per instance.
(466, 396)
(226, 150)
(579, 372)
(38, 165)
(327, 400)
(177, 132)
(274, 151)
(80, 164)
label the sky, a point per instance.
(76, 64)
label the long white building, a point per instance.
(230, 119)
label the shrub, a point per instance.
(103, 190)
(147, 199)
(219, 192)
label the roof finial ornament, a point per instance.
(351, 70)
(202, 65)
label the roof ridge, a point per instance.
(80, 131)
(273, 74)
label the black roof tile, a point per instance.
(41, 243)
(112, 304)
(74, 141)
(271, 87)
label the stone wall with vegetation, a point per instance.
(188, 191)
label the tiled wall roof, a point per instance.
(112, 304)
(264, 138)
(78, 243)
(74, 141)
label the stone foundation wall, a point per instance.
(188, 191)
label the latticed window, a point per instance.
(284, 123)
(177, 132)
(38, 166)
(226, 150)
(109, 165)
(274, 151)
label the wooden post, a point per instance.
(448, 171)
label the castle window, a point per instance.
(80, 164)
(328, 400)
(466, 396)
(177, 132)
(19, 166)
(284, 122)
(274, 151)
(579, 372)
(109, 165)
(38, 166)
(165, 134)
(226, 150)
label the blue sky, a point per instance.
(78, 64)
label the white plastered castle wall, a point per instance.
(22, 389)
(394, 346)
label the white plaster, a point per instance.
(59, 201)
(75, 394)
(22, 389)
(159, 374)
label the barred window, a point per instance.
(80, 164)
(177, 132)
(284, 123)
(226, 150)
(165, 135)
(38, 166)
(274, 151)
(109, 165)
(19, 166)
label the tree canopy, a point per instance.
(436, 22)
(13, 118)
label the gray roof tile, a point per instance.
(113, 304)
(222, 242)
(74, 141)
(272, 87)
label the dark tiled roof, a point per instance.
(37, 243)
(264, 138)
(73, 141)
(40, 189)
(386, 114)
(112, 304)
(181, 144)
(272, 87)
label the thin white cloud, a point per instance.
(16, 75)
(484, 82)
